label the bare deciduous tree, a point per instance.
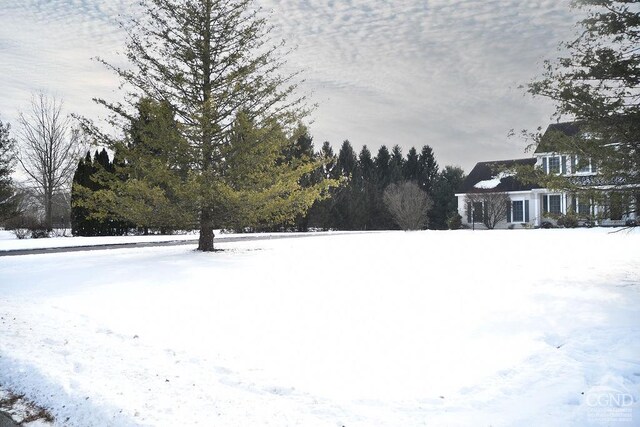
(495, 206)
(48, 150)
(408, 205)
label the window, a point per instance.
(552, 204)
(583, 206)
(616, 206)
(517, 209)
(554, 165)
(582, 165)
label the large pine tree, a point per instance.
(396, 165)
(411, 169)
(213, 63)
(444, 190)
(81, 223)
(428, 169)
(381, 218)
(347, 205)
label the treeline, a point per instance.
(359, 205)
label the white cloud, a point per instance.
(407, 72)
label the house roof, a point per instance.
(547, 142)
(491, 176)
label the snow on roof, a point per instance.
(493, 182)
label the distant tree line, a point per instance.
(359, 204)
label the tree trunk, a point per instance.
(48, 212)
(205, 242)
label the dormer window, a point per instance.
(554, 165)
(582, 165)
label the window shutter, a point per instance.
(509, 211)
(545, 204)
(594, 167)
(563, 166)
(573, 164)
(526, 211)
(469, 212)
(573, 203)
(544, 165)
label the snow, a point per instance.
(493, 182)
(8, 241)
(457, 328)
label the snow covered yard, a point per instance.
(500, 328)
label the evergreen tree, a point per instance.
(396, 165)
(8, 197)
(212, 63)
(329, 166)
(366, 186)
(80, 222)
(367, 166)
(84, 221)
(428, 169)
(382, 163)
(346, 159)
(411, 169)
(101, 162)
(445, 202)
(346, 205)
(303, 146)
(101, 159)
(320, 212)
(303, 149)
(597, 84)
(381, 218)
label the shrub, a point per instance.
(27, 225)
(408, 205)
(39, 233)
(568, 220)
(21, 233)
(454, 222)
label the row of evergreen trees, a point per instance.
(84, 221)
(356, 205)
(359, 205)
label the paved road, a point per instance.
(221, 239)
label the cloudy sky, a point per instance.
(408, 72)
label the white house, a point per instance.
(531, 205)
